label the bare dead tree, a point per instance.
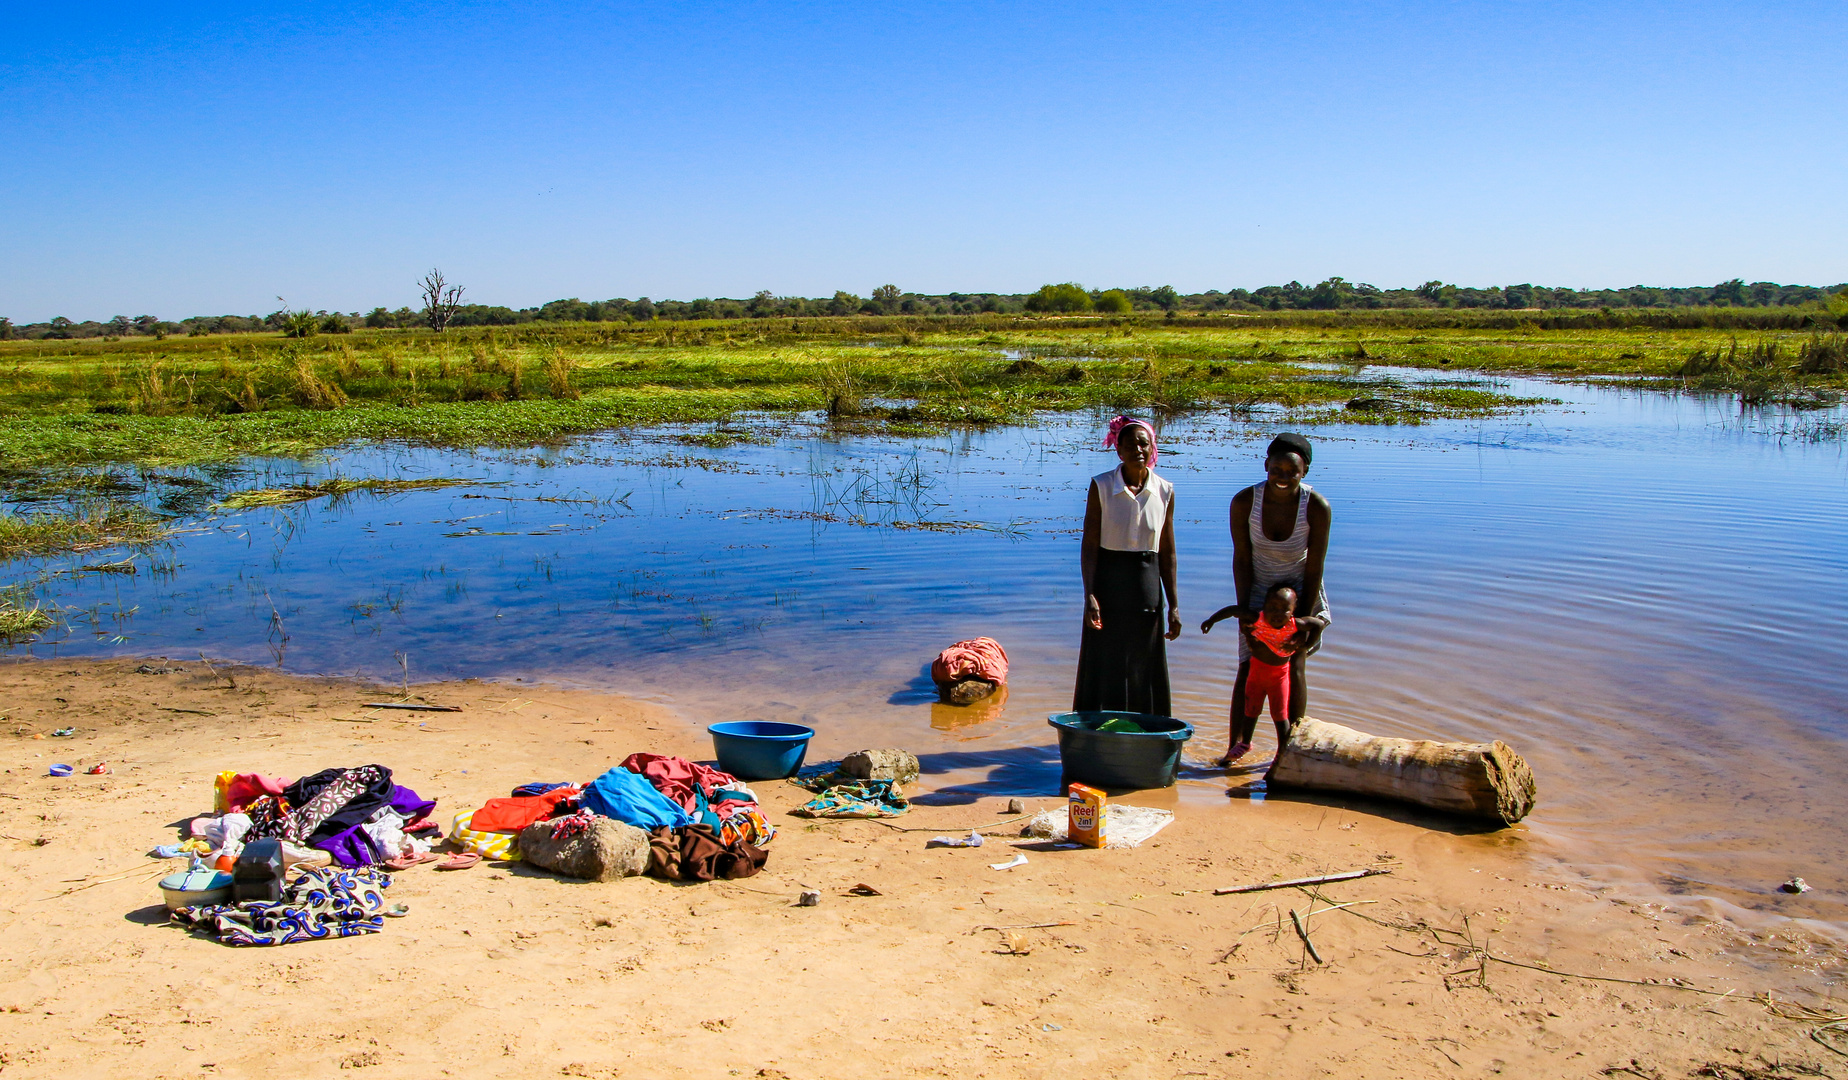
(441, 300)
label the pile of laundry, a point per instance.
(701, 822)
(340, 829)
(353, 817)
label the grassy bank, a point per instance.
(191, 401)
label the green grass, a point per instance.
(21, 616)
(93, 525)
(196, 401)
(332, 488)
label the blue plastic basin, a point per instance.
(1117, 760)
(760, 749)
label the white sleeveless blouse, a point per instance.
(1132, 521)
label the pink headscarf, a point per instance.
(1121, 422)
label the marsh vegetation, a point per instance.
(188, 401)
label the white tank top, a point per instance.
(1286, 560)
(1132, 521)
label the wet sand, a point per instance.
(502, 970)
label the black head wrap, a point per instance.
(1290, 443)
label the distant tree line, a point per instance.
(1069, 297)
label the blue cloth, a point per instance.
(629, 797)
(538, 787)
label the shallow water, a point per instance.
(1640, 593)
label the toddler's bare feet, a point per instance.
(1234, 754)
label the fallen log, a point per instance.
(1481, 780)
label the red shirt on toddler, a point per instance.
(1278, 639)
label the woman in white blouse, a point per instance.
(1128, 561)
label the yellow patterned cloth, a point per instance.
(488, 845)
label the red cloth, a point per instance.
(1264, 680)
(246, 788)
(981, 658)
(675, 777)
(1276, 638)
(512, 815)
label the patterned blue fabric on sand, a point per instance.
(324, 902)
(856, 798)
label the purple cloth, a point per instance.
(410, 804)
(352, 847)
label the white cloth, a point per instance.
(1124, 826)
(1132, 521)
(225, 833)
(387, 830)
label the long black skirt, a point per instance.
(1124, 665)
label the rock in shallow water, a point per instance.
(965, 691)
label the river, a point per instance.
(1643, 593)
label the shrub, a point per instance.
(300, 324)
(1070, 296)
(1115, 302)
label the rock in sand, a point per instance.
(899, 765)
(608, 850)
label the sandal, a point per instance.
(405, 862)
(460, 861)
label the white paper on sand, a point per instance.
(1124, 826)
(1020, 859)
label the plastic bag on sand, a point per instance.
(1124, 826)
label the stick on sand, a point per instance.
(409, 705)
(1292, 883)
(1303, 932)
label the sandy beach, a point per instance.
(505, 970)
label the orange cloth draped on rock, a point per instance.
(979, 658)
(512, 815)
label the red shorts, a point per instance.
(1271, 681)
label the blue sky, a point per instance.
(209, 159)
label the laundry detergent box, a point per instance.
(1085, 807)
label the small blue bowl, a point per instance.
(760, 749)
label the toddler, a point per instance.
(1273, 637)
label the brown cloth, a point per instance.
(695, 853)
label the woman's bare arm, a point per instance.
(1320, 517)
(1167, 560)
(1087, 557)
(1241, 551)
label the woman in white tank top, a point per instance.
(1128, 563)
(1279, 534)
